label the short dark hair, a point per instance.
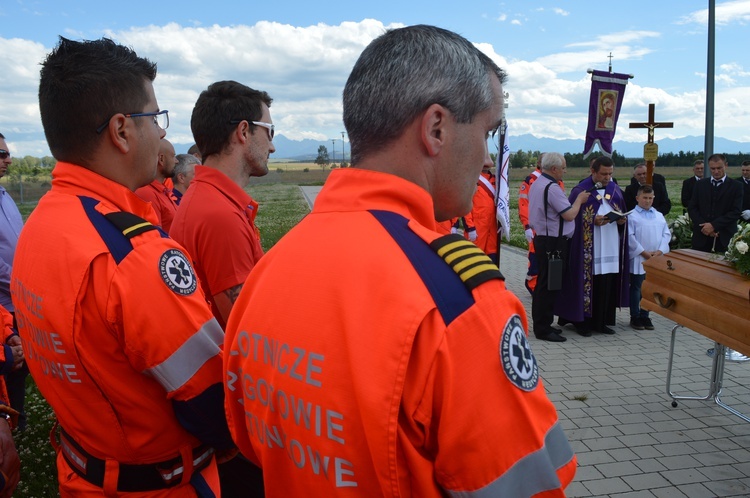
(717, 157)
(646, 189)
(697, 162)
(403, 72)
(193, 149)
(217, 106)
(81, 86)
(601, 161)
(744, 163)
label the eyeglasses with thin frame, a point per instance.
(161, 119)
(4, 154)
(268, 126)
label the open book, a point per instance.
(613, 215)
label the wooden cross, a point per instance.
(650, 152)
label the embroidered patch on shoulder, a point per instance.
(523, 187)
(177, 272)
(516, 356)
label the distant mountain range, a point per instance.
(307, 150)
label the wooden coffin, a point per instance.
(702, 292)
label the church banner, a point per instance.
(502, 197)
(607, 92)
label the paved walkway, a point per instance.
(610, 392)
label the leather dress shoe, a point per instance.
(551, 337)
(606, 330)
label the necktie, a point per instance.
(716, 183)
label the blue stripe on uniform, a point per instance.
(119, 245)
(446, 288)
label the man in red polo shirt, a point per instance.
(215, 222)
(158, 193)
(232, 126)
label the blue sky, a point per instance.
(301, 52)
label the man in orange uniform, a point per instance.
(159, 191)
(405, 370)
(11, 359)
(523, 214)
(232, 126)
(115, 329)
(481, 222)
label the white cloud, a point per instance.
(515, 22)
(736, 11)
(560, 11)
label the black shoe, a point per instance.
(551, 337)
(606, 330)
(637, 323)
(556, 330)
(647, 324)
(583, 330)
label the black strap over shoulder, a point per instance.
(129, 224)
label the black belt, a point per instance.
(132, 477)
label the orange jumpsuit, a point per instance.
(120, 341)
(160, 196)
(6, 361)
(483, 218)
(394, 373)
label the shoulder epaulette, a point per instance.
(469, 262)
(129, 224)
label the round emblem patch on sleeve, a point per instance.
(177, 272)
(516, 356)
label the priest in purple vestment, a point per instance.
(596, 281)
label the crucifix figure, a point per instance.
(651, 150)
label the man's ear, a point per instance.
(119, 132)
(433, 128)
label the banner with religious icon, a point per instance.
(607, 92)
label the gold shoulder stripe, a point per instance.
(469, 262)
(129, 224)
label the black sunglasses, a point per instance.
(4, 154)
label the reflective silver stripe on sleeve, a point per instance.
(534, 473)
(176, 370)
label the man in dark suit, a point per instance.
(715, 207)
(745, 182)
(689, 184)
(661, 198)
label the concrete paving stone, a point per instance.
(666, 426)
(673, 449)
(696, 490)
(618, 469)
(650, 464)
(729, 488)
(588, 473)
(649, 480)
(715, 458)
(684, 476)
(681, 436)
(679, 462)
(623, 454)
(668, 492)
(632, 418)
(606, 487)
(637, 440)
(605, 443)
(640, 428)
(577, 490)
(722, 472)
(633, 494)
(607, 431)
(589, 458)
(646, 451)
